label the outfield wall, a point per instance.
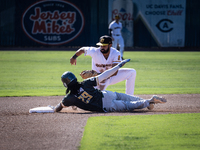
(72, 23)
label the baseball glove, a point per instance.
(88, 74)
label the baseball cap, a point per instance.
(104, 40)
(116, 16)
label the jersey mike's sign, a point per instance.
(53, 22)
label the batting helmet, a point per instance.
(67, 78)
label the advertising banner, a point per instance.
(59, 23)
(164, 19)
(52, 22)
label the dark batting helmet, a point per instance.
(67, 78)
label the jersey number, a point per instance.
(85, 97)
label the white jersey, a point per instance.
(115, 27)
(99, 63)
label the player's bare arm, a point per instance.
(114, 74)
(78, 53)
(113, 65)
(106, 74)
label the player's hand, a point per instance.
(73, 61)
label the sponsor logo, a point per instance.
(123, 15)
(164, 25)
(52, 22)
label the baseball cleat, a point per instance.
(151, 106)
(155, 99)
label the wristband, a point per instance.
(75, 56)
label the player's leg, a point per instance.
(110, 104)
(123, 105)
(127, 97)
(114, 42)
(131, 105)
(134, 102)
(121, 45)
(106, 74)
(127, 74)
(116, 102)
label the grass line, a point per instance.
(171, 131)
(37, 73)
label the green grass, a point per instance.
(167, 72)
(37, 73)
(152, 132)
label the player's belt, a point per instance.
(116, 34)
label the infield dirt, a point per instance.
(20, 130)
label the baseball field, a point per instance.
(32, 78)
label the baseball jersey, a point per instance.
(99, 63)
(115, 27)
(88, 98)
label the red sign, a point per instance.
(53, 22)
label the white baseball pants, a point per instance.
(118, 40)
(127, 74)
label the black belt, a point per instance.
(116, 34)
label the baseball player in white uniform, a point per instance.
(104, 58)
(115, 28)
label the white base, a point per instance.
(47, 109)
